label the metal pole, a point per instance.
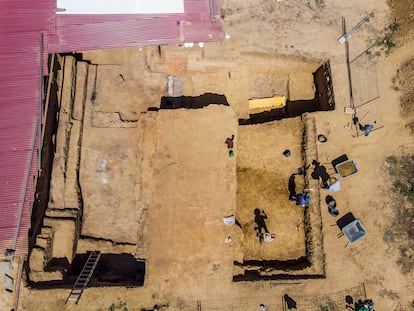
(212, 12)
(348, 64)
(364, 20)
(345, 35)
(39, 151)
(47, 100)
(29, 162)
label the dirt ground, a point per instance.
(272, 42)
(262, 174)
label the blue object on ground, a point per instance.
(354, 231)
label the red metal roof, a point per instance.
(80, 32)
(22, 25)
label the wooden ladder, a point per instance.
(84, 277)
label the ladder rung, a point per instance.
(80, 283)
(84, 277)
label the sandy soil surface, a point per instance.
(269, 41)
(262, 175)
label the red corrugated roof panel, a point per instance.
(22, 25)
(90, 32)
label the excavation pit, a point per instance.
(111, 270)
(139, 171)
(263, 175)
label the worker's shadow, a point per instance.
(260, 220)
(292, 187)
(320, 171)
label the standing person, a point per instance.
(230, 142)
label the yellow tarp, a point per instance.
(264, 104)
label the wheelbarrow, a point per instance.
(344, 167)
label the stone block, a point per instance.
(71, 193)
(80, 93)
(64, 235)
(43, 242)
(62, 213)
(37, 276)
(37, 259)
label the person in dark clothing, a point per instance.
(367, 128)
(303, 198)
(291, 304)
(229, 142)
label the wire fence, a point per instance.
(364, 80)
(365, 93)
(336, 301)
(365, 90)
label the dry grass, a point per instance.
(400, 234)
(404, 81)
